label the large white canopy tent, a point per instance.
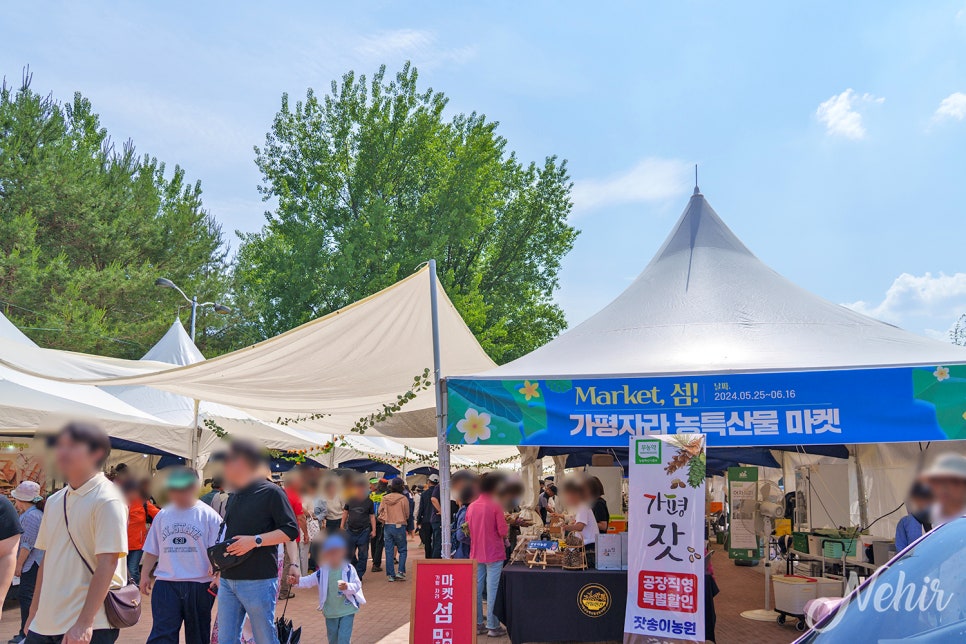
(706, 305)
(345, 365)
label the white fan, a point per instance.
(769, 506)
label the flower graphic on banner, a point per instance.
(944, 389)
(475, 426)
(530, 390)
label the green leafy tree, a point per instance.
(957, 335)
(373, 179)
(85, 229)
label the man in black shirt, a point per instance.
(425, 520)
(457, 481)
(258, 518)
(359, 523)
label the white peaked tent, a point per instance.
(706, 304)
(29, 404)
(176, 348)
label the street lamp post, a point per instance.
(220, 309)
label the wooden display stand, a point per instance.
(537, 558)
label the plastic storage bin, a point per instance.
(815, 545)
(833, 547)
(792, 593)
(828, 587)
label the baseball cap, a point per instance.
(335, 542)
(181, 478)
(434, 478)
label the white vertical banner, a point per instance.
(665, 574)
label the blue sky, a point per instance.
(830, 135)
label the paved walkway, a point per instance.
(385, 619)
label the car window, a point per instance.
(920, 597)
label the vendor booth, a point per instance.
(707, 341)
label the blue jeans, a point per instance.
(488, 579)
(134, 565)
(339, 629)
(256, 597)
(437, 541)
(395, 540)
(359, 549)
(174, 603)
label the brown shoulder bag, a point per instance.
(122, 605)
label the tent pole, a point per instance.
(442, 445)
(860, 488)
(195, 438)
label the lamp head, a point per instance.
(221, 309)
(164, 283)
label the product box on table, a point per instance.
(608, 552)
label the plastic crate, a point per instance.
(833, 548)
(792, 593)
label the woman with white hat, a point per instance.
(30, 505)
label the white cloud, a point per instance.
(928, 304)
(952, 107)
(418, 45)
(650, 180)
(841, 114)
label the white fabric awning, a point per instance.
(346, 365)
(176, 348)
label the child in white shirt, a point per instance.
(340, 589)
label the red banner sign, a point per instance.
(444, 602)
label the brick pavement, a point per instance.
(385, 619)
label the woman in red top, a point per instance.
(139, 512)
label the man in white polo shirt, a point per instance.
(68, 604)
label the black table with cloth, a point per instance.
(554, 605)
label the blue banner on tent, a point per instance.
(782, 408)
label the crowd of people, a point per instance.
(486, 523)
(105, 531)
(245, 540)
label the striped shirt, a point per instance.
(30, 522)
